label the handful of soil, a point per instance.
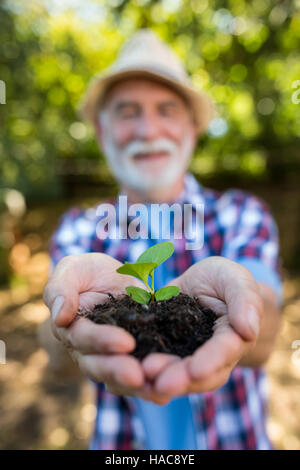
(178, 325)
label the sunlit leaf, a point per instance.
(139, 270)
(139, 295)
(166, 293)
(157, 253)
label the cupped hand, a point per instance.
(231, 291)
(101, 351)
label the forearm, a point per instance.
(270, 325)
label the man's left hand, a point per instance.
(231, 291)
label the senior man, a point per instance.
(147, 117)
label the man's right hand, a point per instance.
(101, 351)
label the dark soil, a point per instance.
(175, 326)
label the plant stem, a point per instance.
(152, 281)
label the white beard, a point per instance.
(127, 172)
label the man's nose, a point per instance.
(148, 128)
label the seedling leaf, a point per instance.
(143, 268)
(139, 295)
(157, 253)
(139, 270)
(166, 293)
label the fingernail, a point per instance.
(253, 320)
(57, 305)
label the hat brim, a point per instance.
(201, 106)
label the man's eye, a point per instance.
(128, 114)
(170, 111)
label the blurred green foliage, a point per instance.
(246, 55)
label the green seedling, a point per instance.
(143, 268)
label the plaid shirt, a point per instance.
(238, 226)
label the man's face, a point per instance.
(147, 134)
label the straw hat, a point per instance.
(146, 55)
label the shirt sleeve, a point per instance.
(251, 237)
(73, 235)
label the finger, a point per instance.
(90, 338)
(177, 281)
(225, 348)
(243, 300)
(154, 363)
(213, 382)
(146, 393)
(226, 287)
(149, 393)
(118, 370)
(120, 390)
(183, 384)
(174, 379)
(87, 300)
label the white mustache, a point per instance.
(157, 146)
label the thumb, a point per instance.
(62, 299)
(177, 281)
(82, 280)
(244, 303)
(72, 276)
(61, 294)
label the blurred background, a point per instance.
(246, 55)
